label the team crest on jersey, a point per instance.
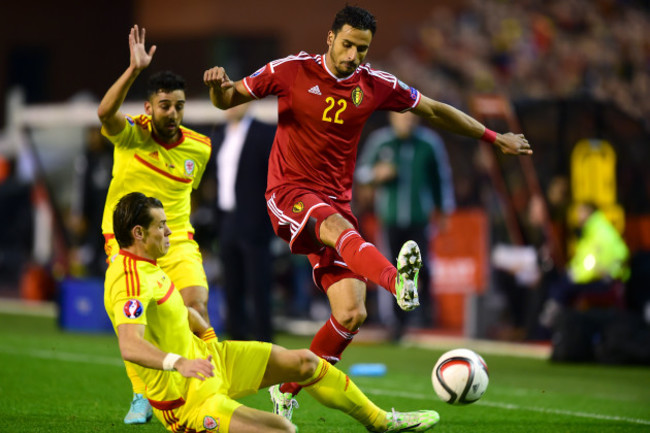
(357, 96)
(259, 71)
(189, 166)
(210, 423)
(298, 207)
(133, 309)
(130, 120)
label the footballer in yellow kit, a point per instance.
(170, 172)
(156, 155)
(192, 382)
(137, 291)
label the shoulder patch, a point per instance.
(259, 71)
(129, 120)
(414, 94)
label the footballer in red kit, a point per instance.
(323, 103)
(321, 118)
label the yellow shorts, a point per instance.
(239, 369)
(183, 262)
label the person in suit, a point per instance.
(242, 148)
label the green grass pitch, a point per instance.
(53, 381)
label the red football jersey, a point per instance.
(320, 118)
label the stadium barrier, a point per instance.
(81, 305)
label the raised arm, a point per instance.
(446, 117)
(225, 93)
(108, 112)
(134, 348)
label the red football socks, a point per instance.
(331, 340)
(365, 259)
(329, 343)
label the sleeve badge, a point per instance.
(133, 309)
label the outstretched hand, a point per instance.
(198, 368)
(140, 58)
(513, 144)
(216, 78)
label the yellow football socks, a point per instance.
(136, 382)
(332, 388)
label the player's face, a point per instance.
(166, 110)
(156, 236)
(347, 49)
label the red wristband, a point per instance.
(489, 136)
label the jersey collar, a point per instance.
(322, 60)
(168, 146)
(136, 257)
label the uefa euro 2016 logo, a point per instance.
(133, 309)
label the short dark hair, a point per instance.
(166, 81)
(356, 17)
(132, 210)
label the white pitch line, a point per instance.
(509, 406)
(64, 356)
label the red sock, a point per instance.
(365, 259)
(329, 343)
(331, 340)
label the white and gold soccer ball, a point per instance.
(460, 377)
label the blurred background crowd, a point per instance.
(532, 50)
(568, 70)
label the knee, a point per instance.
(352, 319)
(331, 228)
(308, 364)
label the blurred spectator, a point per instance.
(409, 166)
(16, 216)
(93, 172)
(242, 148)
(522, 274)
(596, 272)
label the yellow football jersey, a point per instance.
(168, 172)
(137, 291)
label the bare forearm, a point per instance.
(221, 98)
(116, 94)
(134, 348)
(225, 98)
(140, 351)
(446, 117)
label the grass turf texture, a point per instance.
(53, 381)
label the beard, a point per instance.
(163, 130)
(346, 68)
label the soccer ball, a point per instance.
(460, 377)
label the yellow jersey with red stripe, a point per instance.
(137, 291)
(168, 172)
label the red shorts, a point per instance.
(290, 209)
